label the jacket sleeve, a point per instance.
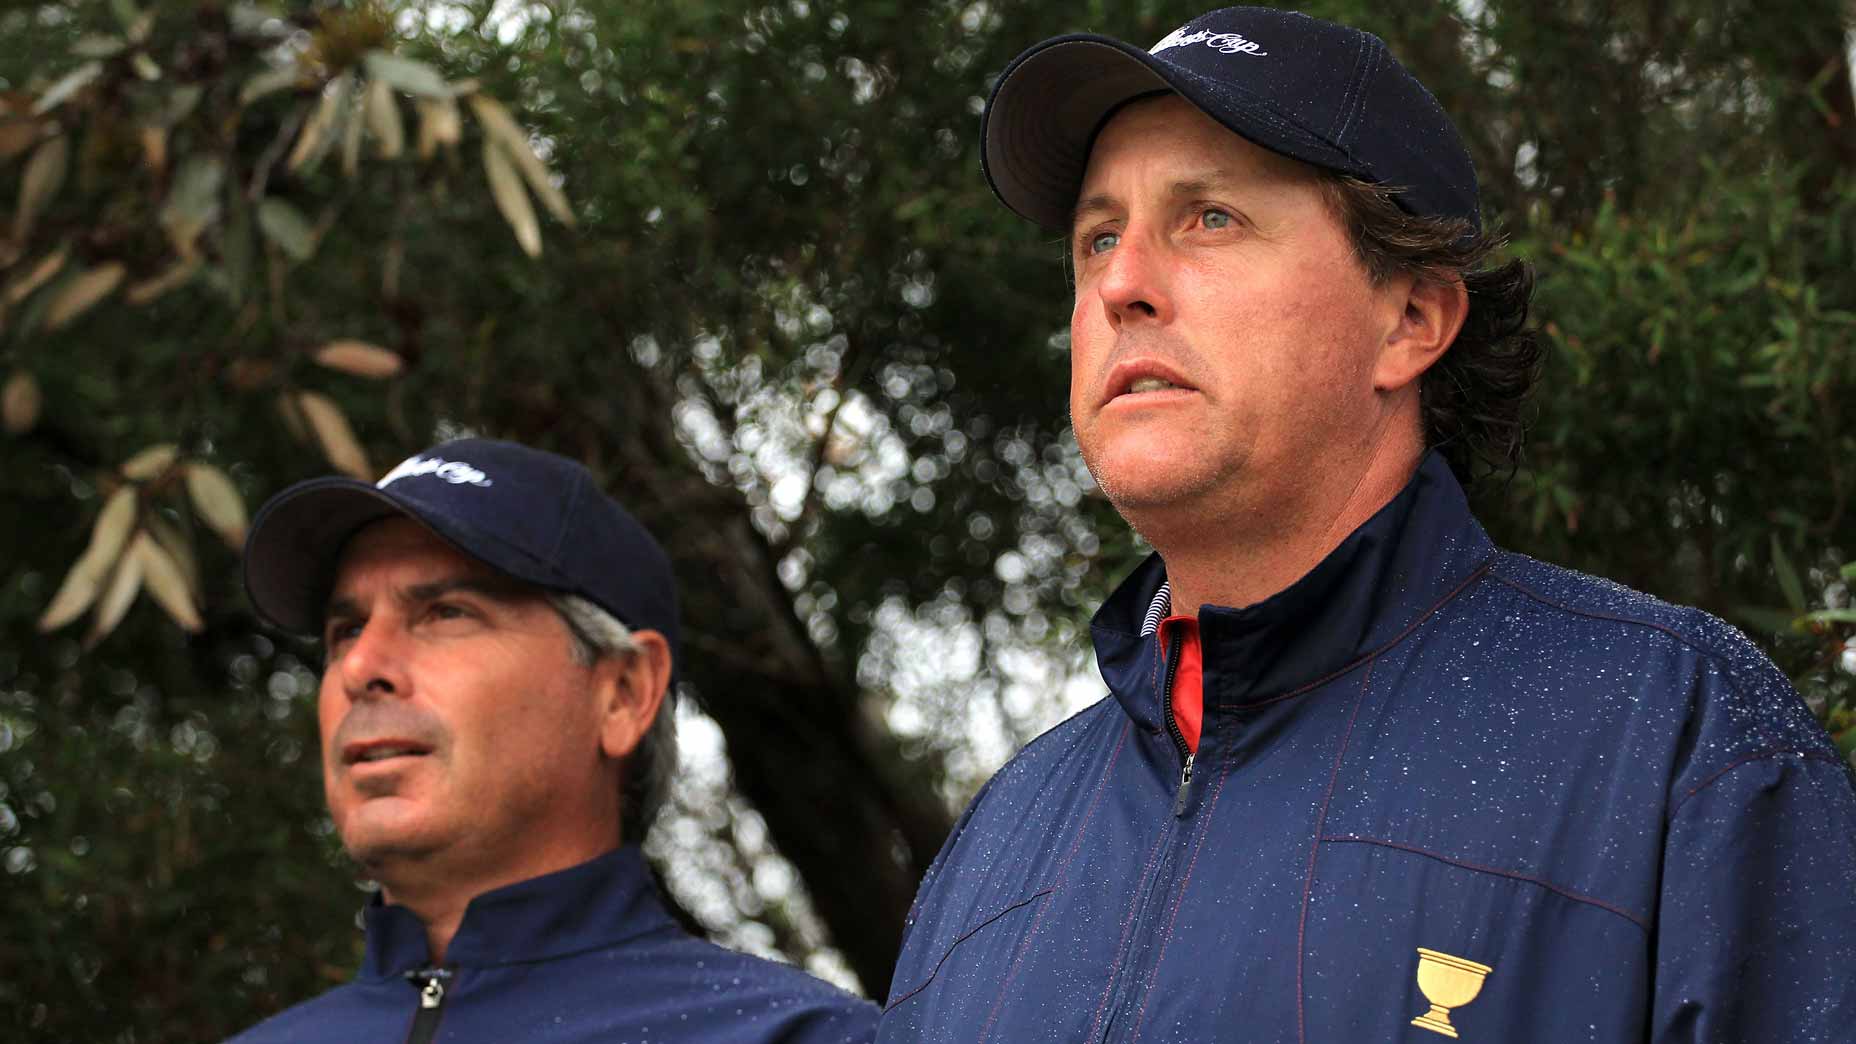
(1756, 928)
(846, 1021)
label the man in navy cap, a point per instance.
(501, 642)
(1362, 776)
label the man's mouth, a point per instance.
(1150, 384)
(362, 754)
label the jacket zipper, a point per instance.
(1172, 725)
(431, 983)
(1129, 977)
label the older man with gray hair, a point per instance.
(496, 737)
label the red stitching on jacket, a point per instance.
(1577, 897)
(1126, 730)
(1063, 872)
(1700, 650)
(1813, 755)
(1121, 945)
(1314, 848)
(1179, 900)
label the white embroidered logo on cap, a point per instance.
(1226, 43)
(455, 472)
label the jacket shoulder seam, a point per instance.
(1747, 759)
(1594, 614)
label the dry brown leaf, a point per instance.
(250, 374)
(439, 124)
(77, 296)
(20, 402)
(155, 148)
(359, 359)
(511, 198)
(107, 538)
(75, 594)
(502, 128)
(110, 532)
(322, 123)
(41, 181)
(180, 548)
(150, 463)
(167, 583)
(50, 265)
(179, 274)
(118, 593)
(218, 501)
(384, 122)
(18, 135)
(291, 412)
(351, 146)
(333, 434)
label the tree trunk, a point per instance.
(831, 785)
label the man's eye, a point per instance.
(340, 632)
(1102, 241)
(447, 611)
(1215, 218)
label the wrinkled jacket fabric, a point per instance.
(586, 954)
(1618, 807)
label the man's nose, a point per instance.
(373, 663)
(1133, 287)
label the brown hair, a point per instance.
(1475, 397)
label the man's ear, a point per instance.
(1433, 314)
(631, 690)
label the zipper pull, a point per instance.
(431, 984)
(1185, 783)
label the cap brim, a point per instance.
(1051, 101)
(296, 542)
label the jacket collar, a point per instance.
(1387, 574)
(598, 903)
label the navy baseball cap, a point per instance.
(1325, 94)
(528, 514)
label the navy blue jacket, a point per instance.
(586, 954)
(1605, 817)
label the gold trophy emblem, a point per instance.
(1448, 982)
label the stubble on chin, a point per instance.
(1144, 494)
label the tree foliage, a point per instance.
(739, 259)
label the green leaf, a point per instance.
(1848, 570)
(1847, 616)
(407, 74)
(235, 251)
(98, 45)
(182, 101)
(1788, 577)
(269, 82)
(43, 177)
(193, 201)
(1765, 620)
(72, 82)
(285, 225)
(125, 11)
